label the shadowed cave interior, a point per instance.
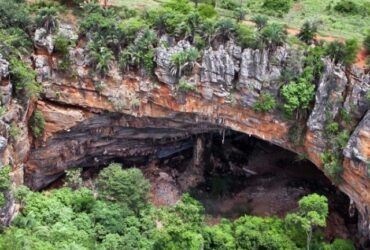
(234, 174)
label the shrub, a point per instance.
(307, 32)
(332, 165)
(228, 4)
(61, 44)
(207, 11)
(183, 61)
(185, 86)
(246, 37)
(342, 139)
(277, 6)
(14, 131)
(47, 18)
(261, 21)
(23, 76)
(37, 123)
(345, 53)
(265, 103)
(347, 7)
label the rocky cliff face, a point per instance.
(135, 118)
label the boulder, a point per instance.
(42, 68)
(44, 40)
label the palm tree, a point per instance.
(261, 21)
(183, 61)
(225, 28)
(100, 58)
(307, 32)
(274, 35)
(47, 18)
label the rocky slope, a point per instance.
(139, 118)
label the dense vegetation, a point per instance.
(117, 214)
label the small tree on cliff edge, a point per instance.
(313, 210)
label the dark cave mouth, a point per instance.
(233, 174)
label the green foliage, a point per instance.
(24, 78)
(184, 86)
(367, 41)
(14, 15)
(273, 35)
(73, 179)
(5, 178)
(307, 32)
(61, 44)
(344, 53)
(340, 244)
(265, 103)
(207, 11)
(277, 6)
(47, 18)
(14, 131)
(100, 58)
(298, 96)
(183, 61)
(228, 4)
(37, 123)
(342, 139)
(314, 61)
(246, 37)
(332, 165)
(347, 7)
(313, 210)
(296, 134)
(127, 187)
(4, 184)
(261, 21)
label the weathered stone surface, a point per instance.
(3, 143)
(358, 147)
(102, 138)
(357, 103)
(4, 68)
(67, 31)
(218, 67)
(43, 40)
(329, 96)
(42, 67)
(6, 94)
(163, 60)
(260, 70)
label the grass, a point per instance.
(331, 22)
(139, 4)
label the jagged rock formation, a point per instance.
(136, 118)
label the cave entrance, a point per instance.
(233, 174)
(237, 175)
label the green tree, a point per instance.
(345, 53)
(298, 96)
(261, 21)
(273, 35)
(307, 32)
(313, 210)
(124, 186)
